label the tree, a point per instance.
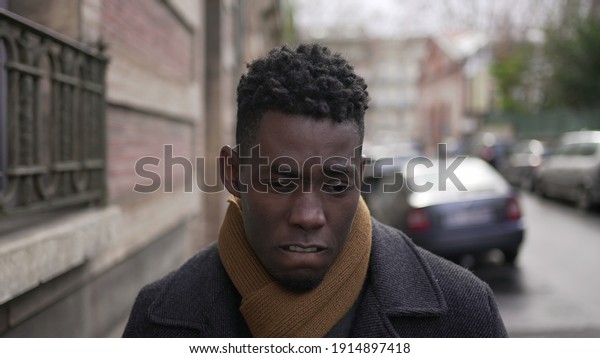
(512, 61)
(573, 51)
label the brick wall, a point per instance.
(157, 95)
(154, 91)
(150, 35)
(132, 136)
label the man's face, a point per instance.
(302, 195)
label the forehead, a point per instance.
(302, 137)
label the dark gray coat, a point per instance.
(409, 292)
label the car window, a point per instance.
(474, 175)
(560, 150)
(569, 150)
(588, 149)
(520, 148)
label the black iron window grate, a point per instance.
(52, 119)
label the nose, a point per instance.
(307, 211)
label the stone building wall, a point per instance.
(170, 82)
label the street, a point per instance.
(554, 290)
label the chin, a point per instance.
(300, 284)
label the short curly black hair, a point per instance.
(308, 80)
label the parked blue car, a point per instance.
(473, 213)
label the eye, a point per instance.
(283, 185)
(337, 188)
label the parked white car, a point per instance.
(572, 172)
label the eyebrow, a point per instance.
(337, 169)
(291, 173)
(334, 170)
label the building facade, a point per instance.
(391, 68)
(455, 90)
(107, 105)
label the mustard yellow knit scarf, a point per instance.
(273, 311)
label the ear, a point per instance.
(363, 161)
(229, 166)
(361, 170)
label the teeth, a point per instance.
(300, 249)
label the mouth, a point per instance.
(302, 260)
(302, 249)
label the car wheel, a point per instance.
(510, 256)
(584, 200)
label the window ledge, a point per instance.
(36, 255)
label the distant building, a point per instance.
(392, 76)
(391, 68)
(455, 90)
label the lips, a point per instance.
(303, 249)
(302, 258)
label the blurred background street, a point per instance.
(90, 87)
(552, 290)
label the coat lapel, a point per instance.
(201, 298)
(399, 286)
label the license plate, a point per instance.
(468, 217)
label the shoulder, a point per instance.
(162, 302)
(464, 304)
(394, 244)
(204, 265)
(471, 303)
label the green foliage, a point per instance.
(549, 123)
(573, 50)
(289, 35)
(512, 62)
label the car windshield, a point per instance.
(471, 178)
(471, 174)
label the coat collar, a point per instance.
(201, 297)
(399, 284)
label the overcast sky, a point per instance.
(410, 17)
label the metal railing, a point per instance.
(52, 119)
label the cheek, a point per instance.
(262, 219)
(255, 234)
(341, 220)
